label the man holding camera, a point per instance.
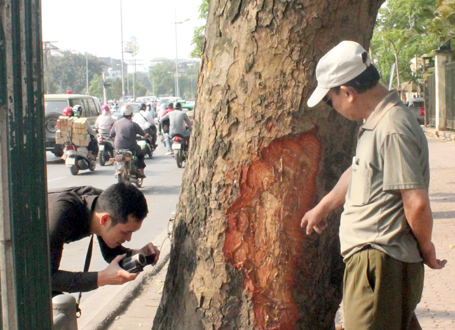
(113, 215)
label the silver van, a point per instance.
(53, 107)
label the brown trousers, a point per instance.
(380, 292)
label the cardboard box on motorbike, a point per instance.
(72, 130)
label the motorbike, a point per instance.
(180, 147)
(126, 167)
(106, 149)
(146, 143)
(76, 158)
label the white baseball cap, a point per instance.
(341, 64)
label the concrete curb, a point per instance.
(124, 298)
(450, 135)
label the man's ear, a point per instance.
(349, 92)
(104, 218)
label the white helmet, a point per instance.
(126, 110)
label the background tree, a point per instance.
(443, 25)
(415, 27)
(258, 160)
(198, 32)
(96, 86)
(162, 75)
(143, 84)
(114, 92)
(188, 82)
(68, 71)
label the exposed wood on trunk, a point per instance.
(259, 159)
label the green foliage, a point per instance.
(162, 78)
(188, 83)
(114, 92)
(198, 40)
(96, 86)
(443, 24)
(416, 28)
(67, 71)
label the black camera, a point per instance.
(136, 263)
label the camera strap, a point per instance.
(88, 258)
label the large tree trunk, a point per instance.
(259, 159)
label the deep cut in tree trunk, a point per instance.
(259, 159)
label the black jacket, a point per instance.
(70, 210)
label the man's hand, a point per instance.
(148, 250)
(114, 274)
(417, 209)
(429, 257)
(314, 219)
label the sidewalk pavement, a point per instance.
(437, 307)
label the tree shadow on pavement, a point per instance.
(161, 190)
(444, 215)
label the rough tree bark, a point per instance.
(259, 159)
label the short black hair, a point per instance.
(178, 105)
(368, 79)
(170, 105)
(121, 200)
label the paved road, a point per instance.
(161, 188)
(437, 307)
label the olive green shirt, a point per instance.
(391, 154)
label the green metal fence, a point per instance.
(450, 95)
(430, 101)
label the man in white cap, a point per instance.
(386, 225)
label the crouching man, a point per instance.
(113, 215)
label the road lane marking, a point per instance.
(56, 179)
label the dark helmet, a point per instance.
(170, 105)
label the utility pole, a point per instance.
(47, 47)
(177, 91)
(86, 70)
(134, 61)
(121, 38)
(104, 90)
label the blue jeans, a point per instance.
(168, 141)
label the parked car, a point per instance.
(53, 107)
(417, 106)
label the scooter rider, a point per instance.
(165, 127)
(145, 119)
(124, 131)
(176, 122)
(104, 121)
(93, 145)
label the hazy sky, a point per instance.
(94, 26)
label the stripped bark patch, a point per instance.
(263, 236)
